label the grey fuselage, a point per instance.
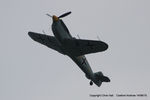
(61, 32)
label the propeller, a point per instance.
(65, 14)
(49, 15)
(61, 16)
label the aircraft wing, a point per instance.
(49, 41)
(78, 47)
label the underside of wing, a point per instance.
(49, 41)
(78, 47)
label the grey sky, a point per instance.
(30, 71)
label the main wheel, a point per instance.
(91, 83)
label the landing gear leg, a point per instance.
(91, 83)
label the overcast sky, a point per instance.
(31, 71)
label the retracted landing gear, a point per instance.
(91, 83)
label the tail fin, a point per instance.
(99, 78)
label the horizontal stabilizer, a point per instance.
(99, 78)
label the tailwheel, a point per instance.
(91, 83)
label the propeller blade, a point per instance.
(49, 15)
(65, 14)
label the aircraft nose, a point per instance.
(55, 18)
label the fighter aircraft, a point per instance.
(76, 49)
